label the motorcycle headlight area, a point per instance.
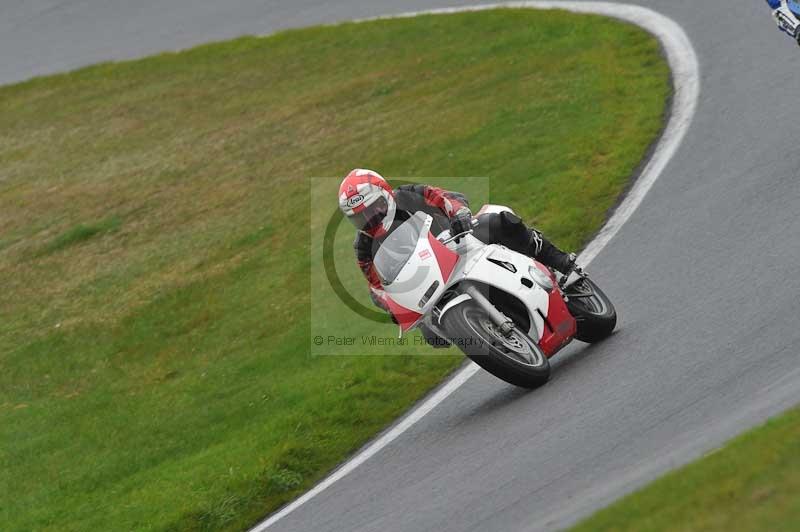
(540, 278)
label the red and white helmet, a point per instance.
(367, 200)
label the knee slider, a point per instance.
(509, 219)
(513, 226)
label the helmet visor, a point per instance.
(372, 215)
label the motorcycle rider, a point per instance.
(375, 209)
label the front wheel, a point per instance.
(592, 310)
(515, 358)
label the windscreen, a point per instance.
(398, 248)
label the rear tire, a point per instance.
(592, 309)
(515, 359)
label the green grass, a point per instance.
(154, 366)
(82, 232)
(752, 483)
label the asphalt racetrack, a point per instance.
(704, 275)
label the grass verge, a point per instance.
(154, 368)
(750, 484)
(81, 232)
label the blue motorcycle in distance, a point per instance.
(787, 16)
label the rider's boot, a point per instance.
(548, 254)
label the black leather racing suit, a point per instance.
(504, 228)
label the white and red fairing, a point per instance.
(433, 268)
(431, 262)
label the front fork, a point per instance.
(501, 321)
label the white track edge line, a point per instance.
(685, 69)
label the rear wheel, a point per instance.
(592, 310)
(515, 358)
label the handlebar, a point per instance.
(460, 235)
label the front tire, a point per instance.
(593, 311)
(515, 359)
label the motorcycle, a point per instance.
(505, 311)
(788, 20)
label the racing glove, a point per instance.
(461, 222)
